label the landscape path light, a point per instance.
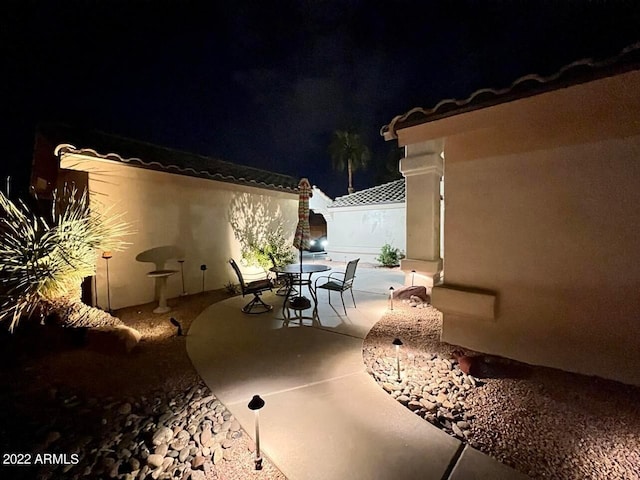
(256, 404)
(398, 343)
(391, 298)
(413, 274)
(107, 256)
(181, 262)
(203, 267)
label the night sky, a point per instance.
(266, 83)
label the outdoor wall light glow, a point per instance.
(107, 255)
(256, 404)
(391, 298)
(398, 343)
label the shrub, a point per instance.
(389, 256)
(275, 244)
(43, 262)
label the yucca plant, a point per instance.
(43, 262)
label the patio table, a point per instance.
(293, 271)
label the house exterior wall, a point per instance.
(194, 214)
(360, 232)
(542, 228)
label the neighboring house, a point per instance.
(204, 206)
(542, 224)
(359, 224)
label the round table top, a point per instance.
(161, 273)
(306, 268)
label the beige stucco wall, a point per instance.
(360, 232)
(171, 209)
(542, 226)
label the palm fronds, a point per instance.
(44, 260)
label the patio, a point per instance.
(324, 417)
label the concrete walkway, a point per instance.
(325, 417)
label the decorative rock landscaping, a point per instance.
(431, 386)
(159, 438)
(544, 422)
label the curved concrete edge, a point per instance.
(324, 417)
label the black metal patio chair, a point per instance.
(256, 288)
(340, 285)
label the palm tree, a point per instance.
(43, 262)
(347, 150)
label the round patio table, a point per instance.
(293, 271)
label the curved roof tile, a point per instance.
(392, 192)
(154, 157)
(577, 72)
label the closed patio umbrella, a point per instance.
(301, 237)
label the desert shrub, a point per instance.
(232, 288)
(389, 256)
(43, 261)
(274, 243)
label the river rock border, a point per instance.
(164, 437)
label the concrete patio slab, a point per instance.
(475, 465)
(324, 417)
(347, 428)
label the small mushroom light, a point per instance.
(398, 343)
(256, 404)
(391, 298)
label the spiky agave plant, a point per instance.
(43, 263)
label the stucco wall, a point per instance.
(360, 232)
(542, 227)
(169, 209)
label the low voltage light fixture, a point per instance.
(398, 343)
(256, 404)
(413, 274)
(391, 298)
(203, 267)
(181, 262)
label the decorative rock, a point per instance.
(124, 409)
(198, 475)
(227, 443)
(235, 426)
(134, 463)
(161, 450)
(155, 460)
(184, 453)
(429, 406)
(218, 455)
(197, 462)
(162, 435)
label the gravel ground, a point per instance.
(543, 422)
(62, 395)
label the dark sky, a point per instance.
(266, 83)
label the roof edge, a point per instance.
(580, 71)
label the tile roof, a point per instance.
(392, 192)
(577, 72)
(154, 157)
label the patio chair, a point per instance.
(285, 280)
(340, 285)
(256, 288)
